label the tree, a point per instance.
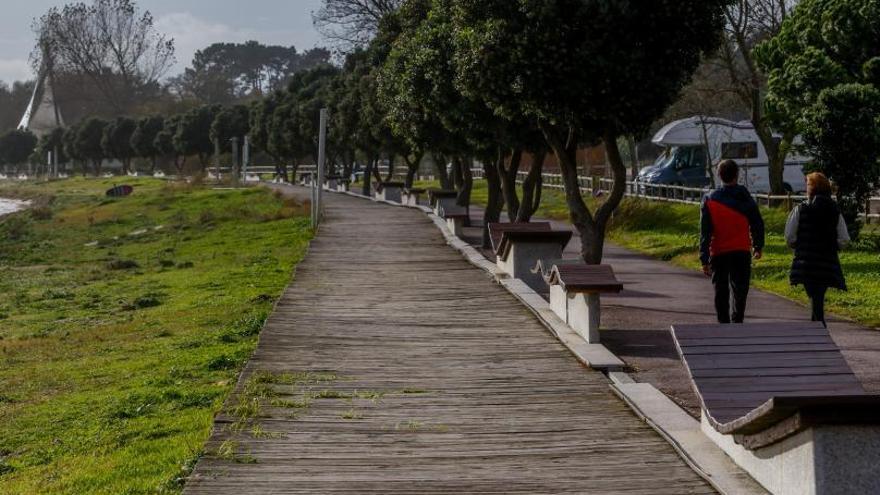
(117, 141)
(226, 72)
(749, 22)
(143, 139)
(579, 69)
(110, 42)
(52, 143)
(164, 143)
(824, 80)
(16, 146)
(87, 143)
(230, 123)
(71, 151)
(352, 23)
(193, 135)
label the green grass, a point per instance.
(124, 323)
(670, 231)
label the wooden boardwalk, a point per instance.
(391, 365)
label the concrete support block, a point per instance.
(447, 203)
(823, 460)
(455, 225)
(330, 184)
(342, 187)
(583, 315)
(559, 302)
(390, 193)
(523, 257)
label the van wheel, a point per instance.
(787, 187)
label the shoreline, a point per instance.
(8, 206)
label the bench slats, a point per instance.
(496, 230)
(748, 376)
(585, 278)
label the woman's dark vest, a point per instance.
(815, 253)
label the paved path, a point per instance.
(427, 377)
(657, 294)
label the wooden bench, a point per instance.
(438, 198)
(575, 290)
(455, 217)
(389, 191)
(412, 195)
(780, 399)
(520, 246)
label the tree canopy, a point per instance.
(824, 81)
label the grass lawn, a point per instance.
(124, 324)
(670, 231)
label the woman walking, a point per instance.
(816, 231)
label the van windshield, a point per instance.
(666, 158)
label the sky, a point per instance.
(193, 24)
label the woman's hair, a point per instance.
(817, 183)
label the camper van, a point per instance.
(689, 144)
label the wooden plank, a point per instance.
(742, 373)
(443, 383)
(756, 349)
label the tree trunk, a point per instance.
(532, 186)
(390, 175)
(590, 228)
(508, 183)
(492, 213)
(153, 160)
(368, 173)
(376, 173)
(412, 167)
(464, 192)
(633, 157)
(295, 169)
(442, 174)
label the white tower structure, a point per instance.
(42, 115)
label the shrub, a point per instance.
(123, 264)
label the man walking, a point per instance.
(730, 228)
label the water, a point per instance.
(11, 205)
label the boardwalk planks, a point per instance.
(425, 377)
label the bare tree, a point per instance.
(352, 23)
(110, 42)
(749, 22)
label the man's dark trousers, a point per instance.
(731, 272)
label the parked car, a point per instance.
(689, 145)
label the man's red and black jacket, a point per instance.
(729, 221)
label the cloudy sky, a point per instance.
(193, 24)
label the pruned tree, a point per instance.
(117, 141)
(110, 42)
(193, 135)
(143, 139)
(16, 147)
(164, 144)
(350, 24)
(53, 142)
(89, 136)
(553, 52)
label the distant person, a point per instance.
(730, 228)
(816, 231)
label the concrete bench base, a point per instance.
(579, 310)
(342, 187)
(444, 203)
(389, 194)
(823, 460)
(455, 225)
(330, 185)
(410, 199)
(523, 257)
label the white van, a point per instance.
(689, 143)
